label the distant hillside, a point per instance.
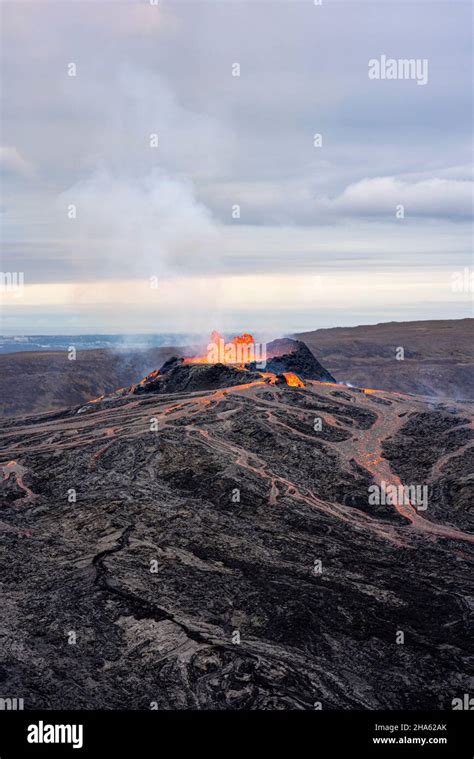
(439, 355)
(439, 360)
(45, 381)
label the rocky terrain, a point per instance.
(288, 355)
(48, 380)
(439, 361)
(288, 362)
(216, 548)
(438, 356)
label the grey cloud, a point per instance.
(302, 201)
(438, 198)
(226, 141)
(12, 163)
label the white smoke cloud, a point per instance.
(144, 226)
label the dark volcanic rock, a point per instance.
(438, 448)
(175, 376)
(439, 356)
(227, 557)
(294, 356)
(442, 364)
(432, 435)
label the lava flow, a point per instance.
(238, 479)
(14, 469)
(293, 380)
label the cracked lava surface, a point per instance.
(164, 492)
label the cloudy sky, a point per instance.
(184, 150)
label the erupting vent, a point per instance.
(240, 350)
(238, 361)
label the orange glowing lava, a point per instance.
(246, 338)
(153, 375)
(269, 377)
(293, 380)
(238, 350)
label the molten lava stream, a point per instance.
(293, 380)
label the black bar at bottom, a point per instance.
(316, 734)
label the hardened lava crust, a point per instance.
(217, 549)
